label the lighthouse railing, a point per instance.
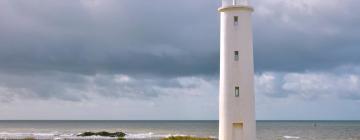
(235, 3)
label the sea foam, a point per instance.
(291, 137)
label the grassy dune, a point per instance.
(185, 138)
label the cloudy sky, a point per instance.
(159, 59)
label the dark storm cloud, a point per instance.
(306, 35)
(70, 59)
(169, 38)
(121, 37)
(71, 50)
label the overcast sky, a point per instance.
(159, 59)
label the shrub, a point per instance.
(103, 133)
(87, 134)
(185, 138)
(29, 138)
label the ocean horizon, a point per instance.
(156, 129)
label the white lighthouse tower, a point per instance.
(237, 101)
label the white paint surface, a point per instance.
(236, 111)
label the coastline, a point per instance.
(266, 130)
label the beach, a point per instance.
(266, 130)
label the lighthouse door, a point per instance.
(238, 131)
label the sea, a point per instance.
(266, 130)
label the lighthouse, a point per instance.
(236, 99)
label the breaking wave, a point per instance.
(60, 136)
(291, 137)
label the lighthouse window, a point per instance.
(237, 94)
(236, 55)
(236, 20)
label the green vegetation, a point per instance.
(185, 138)
(119, 138)
(104, 134)
(29, 138)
